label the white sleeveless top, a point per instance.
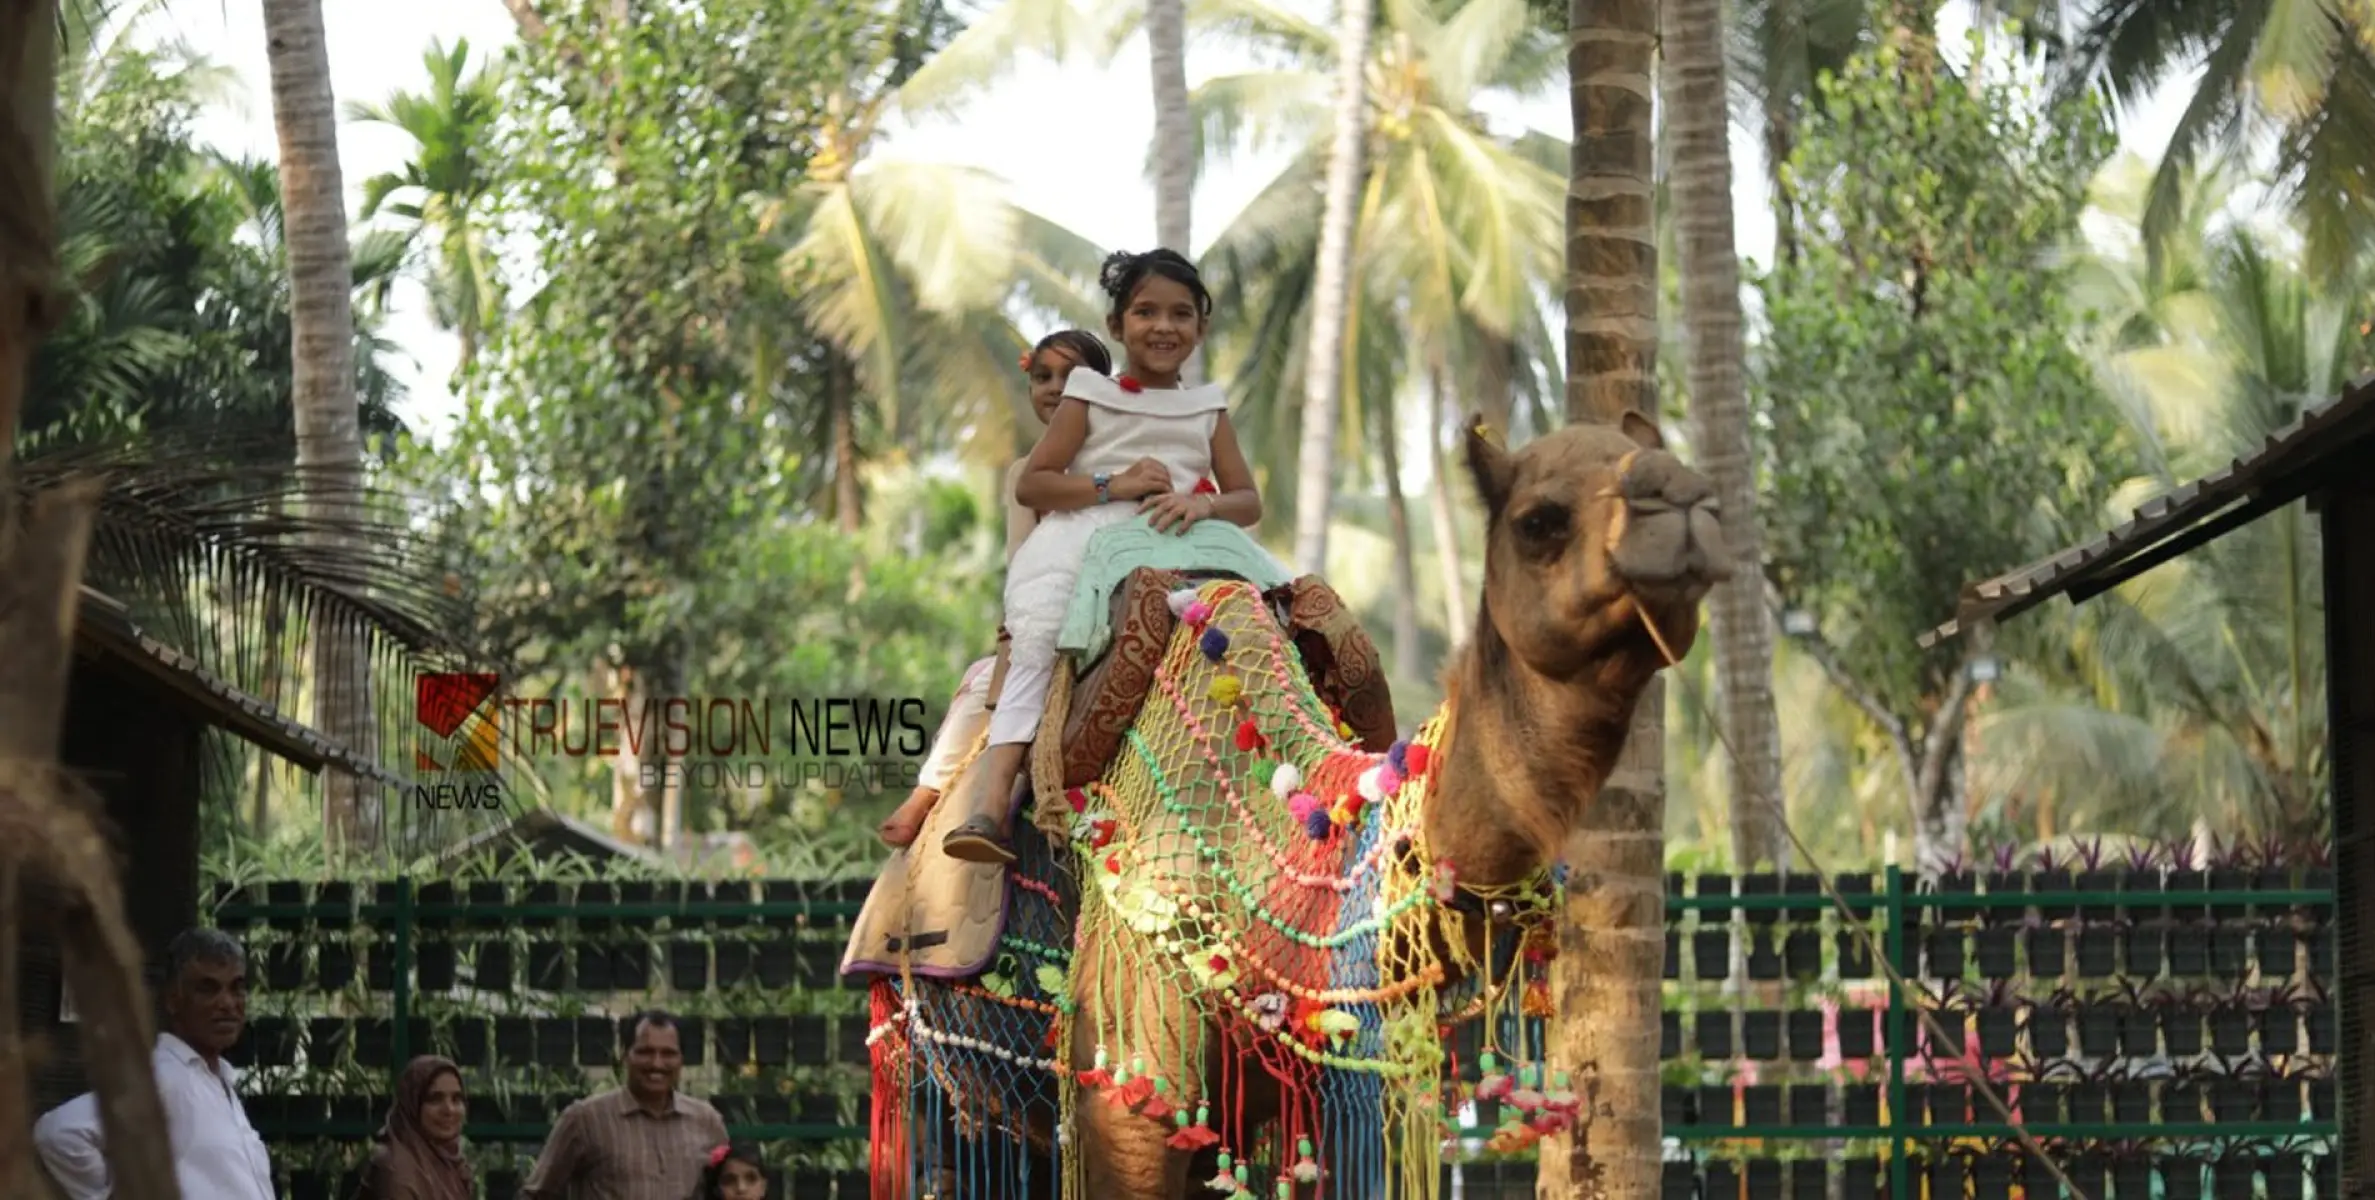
(1172, 426)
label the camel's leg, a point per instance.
(1126, 1156)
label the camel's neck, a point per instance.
(1525, 754)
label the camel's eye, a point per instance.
(1543, 523)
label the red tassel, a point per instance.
(1194, 1138)
(1094, 1078)
(1249, 738)
(1133, 1093)
(887, 1160)
(1157, 1108)
(1415, 757)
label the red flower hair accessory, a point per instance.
(1130, 384)
(719, 1154)
(1025, 364)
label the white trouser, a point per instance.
(1030, 668)
(967, 714)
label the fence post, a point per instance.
(1900, 1172)
(401, 983)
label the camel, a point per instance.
(1270, 926)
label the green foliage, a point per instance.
(178, 326)
(1928, 422)
(629, 489)
(623, 448)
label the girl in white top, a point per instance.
(1116, 448)
(1048, 365)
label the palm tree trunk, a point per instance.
(848, 500)
(1447, 530)
(1175, 163)
(1698, 119)
(329, 441)
(1781, 141)
(28, 214)
(1611, 942)
(1783, 97)
(1397, 507)
(275, 631)
(627, 798)
(60, 854)
(1331, 295)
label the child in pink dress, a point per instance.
(1048, 365)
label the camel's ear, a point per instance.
(1490, 466)
(1642, 430)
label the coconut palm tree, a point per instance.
(1066, 30)
(441, 197)
(905, 270)
(1453, 291)
(2202, 678)
(1697, 127)
(2301, 76)
(1610, 949)
(1323, 370)
(329, 435)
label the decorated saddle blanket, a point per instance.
(1337, 655)
(946, 915)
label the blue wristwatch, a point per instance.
(1104, 484)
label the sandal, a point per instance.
(977, 840)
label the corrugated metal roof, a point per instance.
(104, 626)
(2286, 465)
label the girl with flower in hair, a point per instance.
(1048, 366)
(1115, 448)
(733, 1173)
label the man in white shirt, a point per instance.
(216, 1153)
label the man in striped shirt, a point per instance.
(644, 1141)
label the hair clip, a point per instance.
(719, 1154)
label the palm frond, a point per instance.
(1254, 112)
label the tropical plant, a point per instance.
(177, 325)
(321, 312)
(443, 195)
(2299, 76)
(905, 269)
(1452, 242)
(2193, 691)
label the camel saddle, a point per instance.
(1120, 626)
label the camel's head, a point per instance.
(1589, 529)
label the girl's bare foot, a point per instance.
(906, 821)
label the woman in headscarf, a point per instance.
(420, 1151)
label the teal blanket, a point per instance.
(1117, 550)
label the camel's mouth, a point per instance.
(1666, 541)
